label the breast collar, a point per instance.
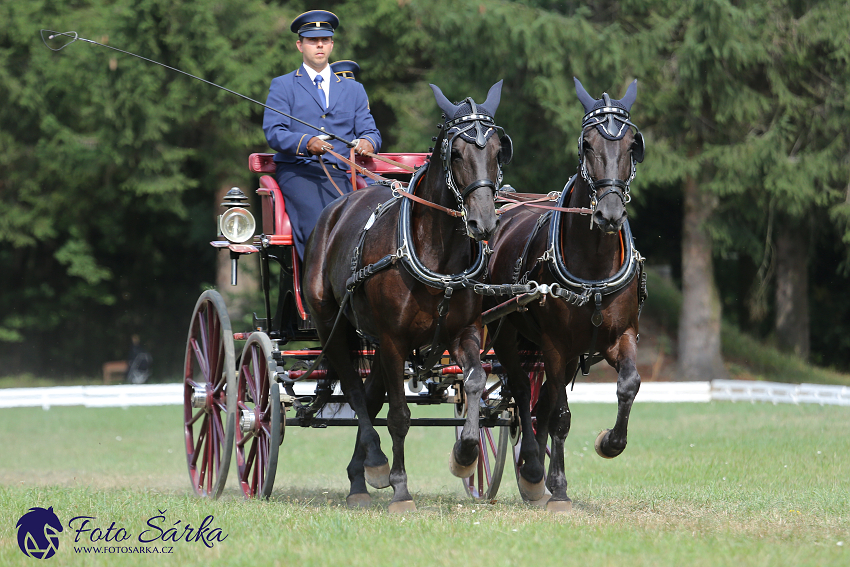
(407, 253)
(553, 257)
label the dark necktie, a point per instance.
(319, 80)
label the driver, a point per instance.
(314, 94)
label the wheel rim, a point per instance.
(258, 434)
(484, 482)
(208, 374)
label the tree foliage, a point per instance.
(109, 164)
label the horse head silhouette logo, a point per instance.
(38, 533)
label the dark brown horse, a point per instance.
(591, 274)
(403, 263)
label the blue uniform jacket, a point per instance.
(347, 116)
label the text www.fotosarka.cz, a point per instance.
(39, 535)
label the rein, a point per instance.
(393, 183)
(513, 203)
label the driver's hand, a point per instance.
(317, 146)
(364, 148)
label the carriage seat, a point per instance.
(276, 223)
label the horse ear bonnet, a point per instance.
(611, 126)
(473, 132)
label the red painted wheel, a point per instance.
(208, 414)
(536, 377)
(259, 432)
(492, 450)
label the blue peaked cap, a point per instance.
(315, 23)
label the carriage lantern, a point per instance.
(237, 224)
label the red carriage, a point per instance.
(276, 352)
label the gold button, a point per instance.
(323, 115)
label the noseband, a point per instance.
(606, 120)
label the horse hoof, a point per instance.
(459, 470)
(540, 502)
(532, 491)
(401, 507)
(378, 477)
(559, 506)
(598, 445)
(360, 500)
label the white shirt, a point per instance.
(326, 80)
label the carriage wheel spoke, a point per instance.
(249, 462)
(250, 387)
(195, 417)
(199, 443)
(258, 457)
(217, 376)
(220, 435)
(199, 357)
(210, 459)
(486, 433)
(262, 463)
(480, 472)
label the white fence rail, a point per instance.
(727, 390)
(776, 393)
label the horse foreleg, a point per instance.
(398, 424)
(338, 351)
(559, 419)
(611, 442)
(358, 496)
(530, 478)
(466, 350)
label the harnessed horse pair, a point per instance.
(404, 277)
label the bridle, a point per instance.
(606, 119)
(476, 128)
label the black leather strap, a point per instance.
(476, 185)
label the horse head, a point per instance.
(610, 146)
(472, 157)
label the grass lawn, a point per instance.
(699, 484)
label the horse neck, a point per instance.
(440, 240)
(588, 253)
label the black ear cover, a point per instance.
(506, 154)
(638, 148)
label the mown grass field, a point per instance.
(699, 484)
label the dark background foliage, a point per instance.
(109, 166)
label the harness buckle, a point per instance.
(548, 256)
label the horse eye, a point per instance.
(456, 155)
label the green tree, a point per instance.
(109, 165)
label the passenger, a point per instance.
(346, 68)
(314, 94)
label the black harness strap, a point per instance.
(541, 220)
(475, 185)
